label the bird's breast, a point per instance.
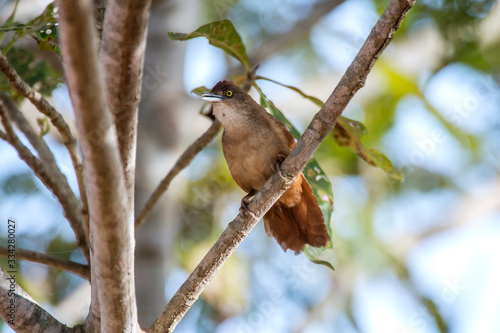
(249, 156)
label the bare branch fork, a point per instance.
(105, 96)
(62, 127)
(45, 167)
(319, 128)
(122, 58)
(183, 161)
(112, 303)
(108, 145)
(27, 316)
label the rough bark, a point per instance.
(111, 217)
(122, 57)
(28, 316)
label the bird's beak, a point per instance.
(213, 97)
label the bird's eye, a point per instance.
(229, 93)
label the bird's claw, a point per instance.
(277, 166)
(244, 206)
(244, 203)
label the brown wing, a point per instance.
(286, 132)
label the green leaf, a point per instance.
(46, 34)
(278, 114)
(322, 189)
(348, 132)
(200, 90)
(44, 125)
(47, 16)
(206, 111)
(322, 256)
(22, 183)
(9, 20)
(315, 100)
(462, 137)
(42, 28)
(221, 34)
(320, 185)
(47, 39)
(38, 73)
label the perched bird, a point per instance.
(255, 143)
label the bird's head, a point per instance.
(231, 104)
(226, 92)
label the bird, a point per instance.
(254, 144)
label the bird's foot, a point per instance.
(277, 166)
(244, 205)
(244, 202)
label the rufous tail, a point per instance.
(298, 221)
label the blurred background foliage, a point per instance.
(411, 256)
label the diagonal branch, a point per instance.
(319, 128)
(183, 161)
(279, 42)
(22, 313)
(46, 259)
(111, 215)
(44, 167)
(58, 122)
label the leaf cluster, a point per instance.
(37, 73)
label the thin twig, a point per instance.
(44, 167)
(22, 313)
(182, 162)
(319, 128)
(23, 27)
(404, 275)
(46, 259)
(279, 42)
(58, 122)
